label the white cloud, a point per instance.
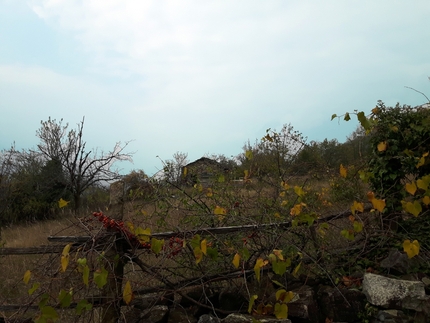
(194, 75)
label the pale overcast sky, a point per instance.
(203, 77)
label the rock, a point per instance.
(340, 304)
(245, 318)
(392, 316)
(206, 318)
(232, 299)
(394, 293)
(397, 261)
(180, 315)
(304, 306)
(156, 314)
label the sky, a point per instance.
(204, 77)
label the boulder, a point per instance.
(245, 318)
(180, 315)
(340, 304)
(304, 306)
(395, 293)
(206, 318)
(396, 262)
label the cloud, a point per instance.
(207, 76)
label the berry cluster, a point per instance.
(172, 249)
(119, 227)
(175, 246)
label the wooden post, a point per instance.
(114, 255)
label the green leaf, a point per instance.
(363, 120)
(156, 245)
(251, 302)
(65, 298)
(48, 314)
(195, 242)
(100, 277)
(280, 267)
(347, 117)
(348, 234)
(83, 305)
(358, 226)
(43, 300)
(212, 253)
(33, 288)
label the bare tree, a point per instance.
(82, 168)
(173, 167)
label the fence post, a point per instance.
(112, 291)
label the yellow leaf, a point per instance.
(143, 234)
(370, 196)
(382, 146)
(246, 174)
(277, 215)
(27, 276)
(297, 209)
(249, 154)
(426, 200)
(257, 268)
(296, 270)
(185, 171)
(356, 206)
(378, 204)
(413, 208)
(284, 203)
(198, 187)
(411, 248)
(411, 188)
(299, 191)
(66, 249)
(342, 171)
(282, 194)
(422, 160)
(285, 185)
(209, 192)
(203, 246)
(64, 263)
(62, 203)
(220, 210)
(281, 311)
(127, 294)
(278, 253)
(65, 257)
(198, 254)
(236, 260)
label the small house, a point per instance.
(203, 171)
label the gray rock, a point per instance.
(245, 318)
(340, 304)
(397, 261)
(206, 318)
(304, 306)
(180, 315)
(393, 293)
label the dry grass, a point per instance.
(143, 214)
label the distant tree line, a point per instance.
(33, 181)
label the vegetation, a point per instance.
(282, 211)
